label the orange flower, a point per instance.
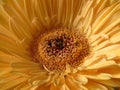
(59, 44)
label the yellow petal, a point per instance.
(80, 78)
(42, 87)
(111, 82)
(100, 76)
(104, 17)
(114, 71)
(72, 84)
(5, 70)
(40, 79)
(95, 86)
(7, 77)
(25, 67)
(23, 86)
(101, 64)
(110, 51)
(100, 5)
(12, 83)
(8, 45)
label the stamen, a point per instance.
(59, 47)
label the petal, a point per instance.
(87, 22)
(104, 17)
(4, 71)
(21, 32)
(110, 27)
(86, 8)
(93, 59)
(7, 33)
(7, 77)
(71, 83)
(53, 87)
(110, 51)
(100, 5)
(23, 86)
(111, 82)
(15, 8)
(25, 67)
(101, 64)
(29, 9)
(99, 76)
(9, 45)
(114, 71)
(11, 58)
(42, 87)
(12, 83)
(95, 86)
(115, 35)
(41, 12)
(80, 78)
(40, 79)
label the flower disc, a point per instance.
(59, 47)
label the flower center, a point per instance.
(59, 47)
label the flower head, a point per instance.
(59, 45)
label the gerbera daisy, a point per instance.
(59, 44)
